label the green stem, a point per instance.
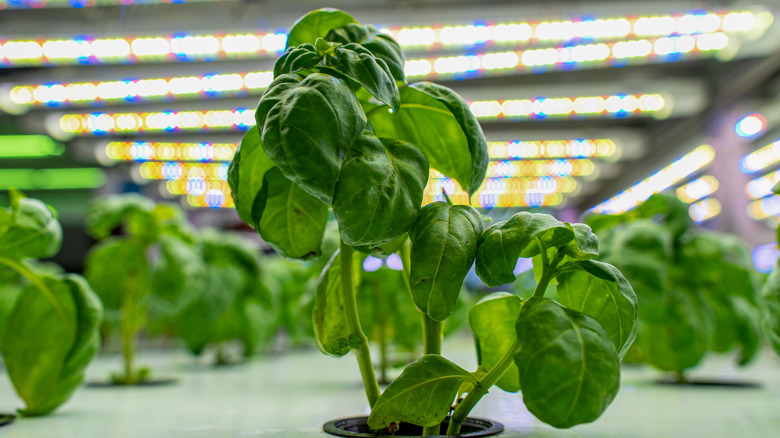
(362, 352)
(127, 330)
(480, 389)
(38, 282)
(548, 269)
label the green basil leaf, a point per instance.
(421, 395)
(748, 328)
(585, 245)
(380, 45)
(291, 221)
(306, 127)
(178, 274)
(569, 370)
(676, 330)
(317, 24)
(379, 192)
(31, 231)
(331, 329)
(107, 213)
(297, 59)
(643, 250)
(246, 175)
(46, 362)
(504, 242)
(493, 320)
(359, 65)
(601, 291)
(444, 244)
(770, 299)
(439, 122)
(115, 266)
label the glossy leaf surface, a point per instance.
(331, 328)
(421, 395)
(439, 122)
(380, 45)
(380, 190)
(504, 242)
(603, 293)
(246, 176)
(568, 367)
(29, 230)
(306, 126)
(493, 320)
(444, 244)
(317, 24)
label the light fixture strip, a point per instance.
(659, 181)
(760, 159)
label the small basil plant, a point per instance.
(340, 129)
(50, 326)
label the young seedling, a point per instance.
(697, 288)
(119, 270)
(52, 331)
(339, 128)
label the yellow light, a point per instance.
(697, 189)
(704, 209)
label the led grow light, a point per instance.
(40, 4)
(705, 209)
(578, 148)
(169, 121)
(762, 186)
(764, 208)
(562, 167)
(661, 180)
(761, 159)
(614, 105)
(241, 119)
(183, 171)
(29, 146)
(765, 257)
(196, 186)
(149, 151)
(52, 179)
(751, 125)
(697, 189)
(214, 198)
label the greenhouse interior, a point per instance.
(245, 218)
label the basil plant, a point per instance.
(339, 129)
(770, 299)
(130, 228)
(698, 288)
(50, 329)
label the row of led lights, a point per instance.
(242, 119)
(40, 4)
(141, 151)
(186, 47)
(138, 90)
(696, 192)
(765, 204)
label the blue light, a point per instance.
(765, 256)
(751, 126)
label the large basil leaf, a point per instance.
(439, 122)
(585, 245)
(380, 45)
(380, 190)
(297, 59)
(29, 230)
(676, 330)
(770, 298)
(504, 242)
(246, 175)
(178, 274)
(569, 369)
(46, 362)
(601, 291)
(331, 329)
(306, 127)
(444, 244)
(493, 320)
(291, 221)
(421, 395)
(317, 24)
(643, 251)
(106, 213)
